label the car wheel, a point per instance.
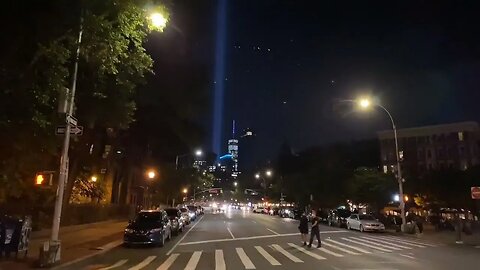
(361, 228)
(348, 226)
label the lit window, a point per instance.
(385, 169)
(460, 136)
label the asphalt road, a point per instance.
(243, 240)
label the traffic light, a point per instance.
(44, 179)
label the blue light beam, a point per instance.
(219, 75)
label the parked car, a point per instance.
(148, 227)
(185, 215)
(259, 209)
(192, 212)
(273, 211)
(363, 223)
(287, 212)
(338, 217)
(176, 220)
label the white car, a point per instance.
(364, 223)
(259, 209)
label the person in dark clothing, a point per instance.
(315, 230)
(303, 228)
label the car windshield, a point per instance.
(366, 217)
(148, 217)
(172, 212)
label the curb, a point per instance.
(105, 248)
(46, 232)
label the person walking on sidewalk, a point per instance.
(315, 230)
(303, 228)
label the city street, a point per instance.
(243, 240)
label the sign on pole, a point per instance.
(77, 130)
(475, 191)
(72, 120)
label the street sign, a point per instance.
(77, 130)
(475, 191)
(72, 120)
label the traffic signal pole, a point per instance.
(63, 171)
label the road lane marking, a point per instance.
(386, 242)
(367, 245)
(407, 256)
(375, 243)
(233, 237)
(329, 251)
(345, 245)
(244, 258)
(286, 253)
(165, 265)
(339, 248)
(115, 265)
(185, 235)
(249, 238)
(219, 260)
(408, 241)
(267, 256)
(272, 231)
(403, 242)
(192, 263)
(314, 255)
(144, 263)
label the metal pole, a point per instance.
(399, 170)
(176, 162)
(63, 171)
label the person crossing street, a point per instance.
(315, 231)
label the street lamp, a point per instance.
(185, 190)
(198, 153)
(365, 103)
(268, 173)
(235, 184)
(158, 21)
(257, 176)
(151, 174)
(93, 178)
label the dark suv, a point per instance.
(338, 217)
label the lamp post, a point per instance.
(365, 103)
(197, 153)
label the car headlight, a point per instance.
(287, 211)
(129, 230)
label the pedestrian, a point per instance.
(419, 221)
(303, 228)
(315, 231)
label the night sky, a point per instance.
(287, 62)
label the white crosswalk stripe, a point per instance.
(385, 242)
(367, 245)
(405, 243)
(391, 238)
(331, 248)
(244, 258)
(309, 253)
(348, 246)
(219, 260)
(339, 248)
(375, 243)
(143, 263)
(267, 256)
(286, 253)
(171, 259)
(115, 265)
(192, 263)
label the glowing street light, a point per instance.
(364, 103)
(198, 153)
(235, 184)
(185, 190)
(158, 21)
(151, 174)
(93, 179)
(257, 176)
(268, 173)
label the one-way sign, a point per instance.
(77, 130)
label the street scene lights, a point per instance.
(268, 173)
(198, 153)
(235, 184)
(158, 21)
(151, 174)
(93, 178)
(365, 103)
(185, 191)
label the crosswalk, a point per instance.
(276, 254)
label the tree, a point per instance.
(369, 186)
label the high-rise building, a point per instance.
(233, 151)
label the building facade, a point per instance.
(436, 147)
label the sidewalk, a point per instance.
(445, 236)
(77, 241)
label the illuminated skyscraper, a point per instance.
(233, 150)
